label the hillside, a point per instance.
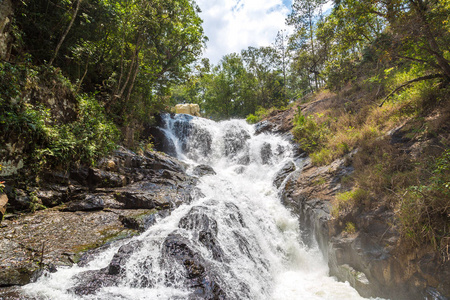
(374, 190)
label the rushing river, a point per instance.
(238, 229)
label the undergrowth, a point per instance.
(28, 120)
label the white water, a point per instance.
(263, 256)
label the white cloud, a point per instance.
(233, 25)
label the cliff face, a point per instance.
(363, 246)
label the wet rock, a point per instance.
(264, 126)
(89, 203)
(17, 263)
(147, 199)
(281, 175)
(195, 140)
(118, 262)
(141, 222)
(235, 141)
(119, 203)
(202, 170)
(90, 282)
(100, 178)
(160, 140)
(199, 275)
(239, 169)
(266, 153)
(204, 230)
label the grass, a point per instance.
(412, 180)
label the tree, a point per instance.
(304, 16)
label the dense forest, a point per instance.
(121, 62)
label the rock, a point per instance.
(204, 230)
(51, 198)
(266, 153)
(141, 222)
(264, 126)
(17, 264)
(189, 109)
(160, 141)
(198, 274)
(89, 203)
(368, 258)
(119, 203)
(90, 282)
(3, 203)
(118, 262)
(100, 178)
(239, 169)
(20, 199)
(202, 170)
(281, 175)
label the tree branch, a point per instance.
(427, 77)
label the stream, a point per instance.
(235, 241)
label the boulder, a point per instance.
(199, 275)
(202, 170)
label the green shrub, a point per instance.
(252, 119)
(308, 133)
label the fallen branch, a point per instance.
(427, 77)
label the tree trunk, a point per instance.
(444, 65)
(66, 32)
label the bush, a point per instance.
(308, 133)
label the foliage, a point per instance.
(50, 143)
(260, 114)
(425, 208)
(347, 200)
(309, 133)
(131, 51)
(237, 86)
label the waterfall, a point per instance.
(235, 242)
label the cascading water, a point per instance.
(235, 242)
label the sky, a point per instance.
(233, 25)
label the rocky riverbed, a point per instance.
(87, 208)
